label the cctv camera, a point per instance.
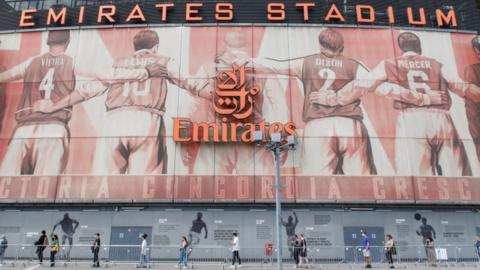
(292, 141)
(276, 137)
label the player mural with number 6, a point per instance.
(436, 148)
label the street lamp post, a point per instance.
(277, 146)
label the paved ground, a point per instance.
(205, 266)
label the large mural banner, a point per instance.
(170, 113)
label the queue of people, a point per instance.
(54, 244)
(299, 250)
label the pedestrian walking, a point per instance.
(236, 251)
(303, 251)
(143, 251)
(366, 250)
(3, 248)
(182, 260)
(96, 250)
(390, 250)
(431, 256)
(54, 248)
(477, 247)
(41, 244)
(296, 250)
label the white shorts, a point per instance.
(428, 144)
(132, 142)
(366, 252)
(40, 149)
(336, 145)
(233, 158)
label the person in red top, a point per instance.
(335, 139)
(49, 76)
(40, 142)
(133, 140)
(472, 106)
(427, 141)
(3, 101)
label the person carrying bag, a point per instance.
(54, 248)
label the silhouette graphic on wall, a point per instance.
(195, 232)
(290, 227)
(69, 227)
(425, 230)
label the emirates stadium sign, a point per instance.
(316, 12)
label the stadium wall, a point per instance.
(371, 154)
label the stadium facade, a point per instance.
(126, 118)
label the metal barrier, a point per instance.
(449, 255)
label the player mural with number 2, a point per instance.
(335, 139)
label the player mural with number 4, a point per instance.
(40, 141)
(335, 139)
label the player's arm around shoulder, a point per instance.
(83, 92)
(454, 82)
(15, 73)
(275, 67)
(355, 89)
(472, 82)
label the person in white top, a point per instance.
(143, 251)
(236, 250)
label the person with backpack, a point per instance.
(182, 260)
(3, 248)
(41, 245)
(54, 248)
(390, 250)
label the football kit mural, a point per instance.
(169, 113)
